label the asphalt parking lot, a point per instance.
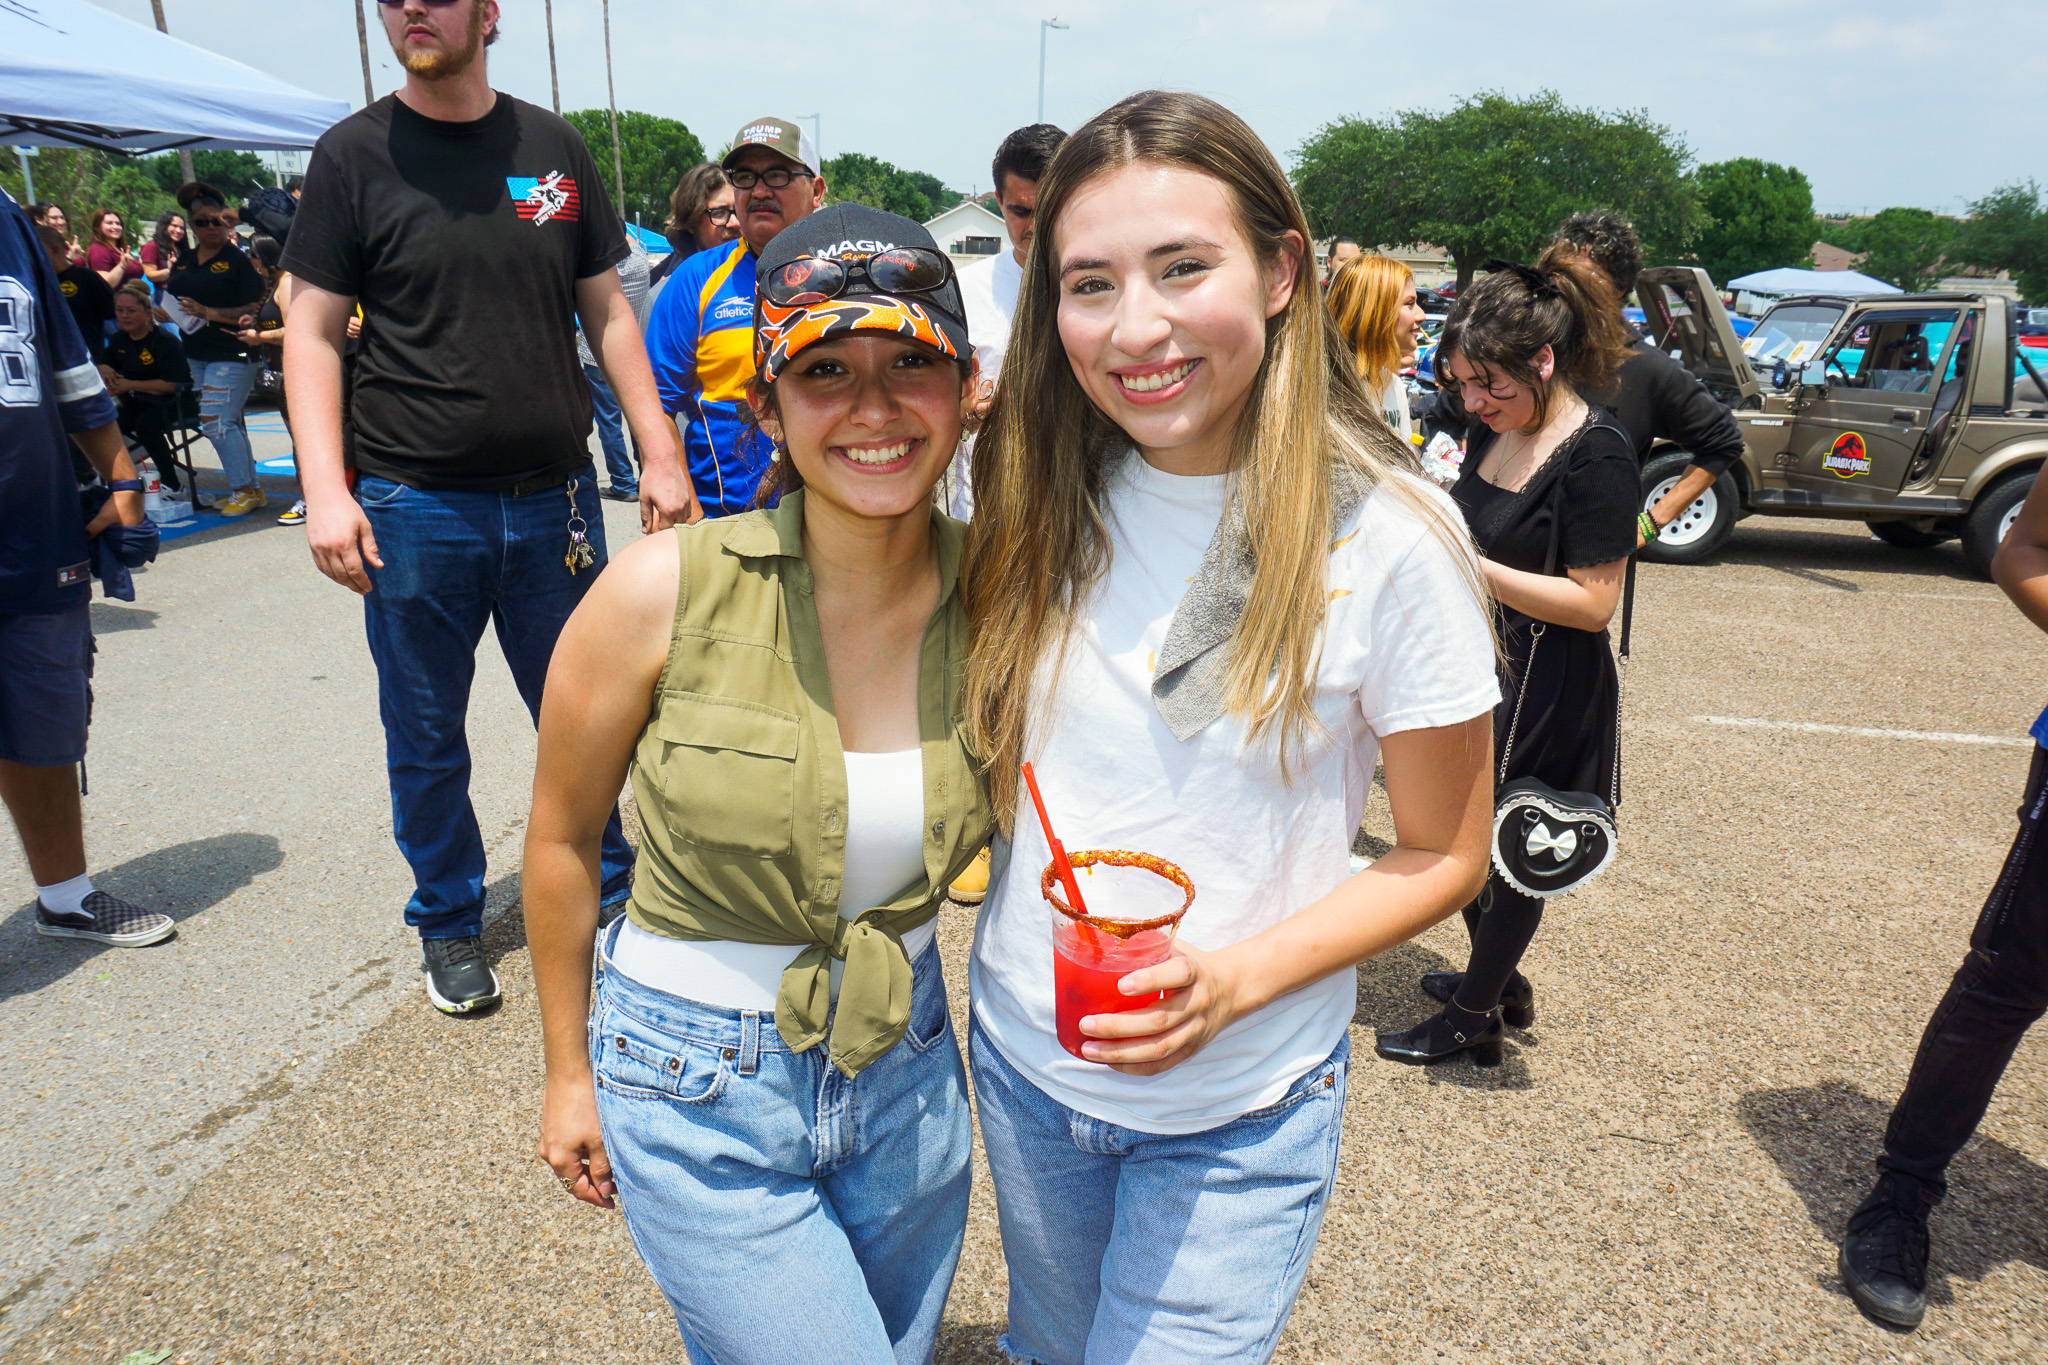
(257, 1143)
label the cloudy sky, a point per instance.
(1880, 102)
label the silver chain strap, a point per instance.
(1515, 726)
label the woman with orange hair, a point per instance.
(1372, 299)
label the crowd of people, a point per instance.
(1131, 510)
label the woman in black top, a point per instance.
(215, 284)
(144, 370)
(1550, 491)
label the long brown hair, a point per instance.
(1039, 539)
(100, 216)
(1564, 302)
(1365, 303)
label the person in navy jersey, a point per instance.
(475, 234)
(50, 391)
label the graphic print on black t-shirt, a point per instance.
(464, 243)
(226, 282)
(156, 356)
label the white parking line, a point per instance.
(1815, 727)
(1987, 598)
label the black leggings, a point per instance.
(147, 425)
(1501, 922)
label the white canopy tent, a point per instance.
(1786, 280)
(75, 76)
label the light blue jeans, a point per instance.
(786, 1212)
(223, 387)
(1126, 1247)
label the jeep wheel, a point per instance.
(1996, 509)
(1918, 533)
(1701, 528)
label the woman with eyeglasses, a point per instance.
(108, 253)
(701, 215)
(1551, 492)
(768, 1082)
(216, 285)
(165, 245)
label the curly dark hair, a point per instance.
(1611, 241)
(1503, 321)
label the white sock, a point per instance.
(66, 898)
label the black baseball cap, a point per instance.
(936, 317)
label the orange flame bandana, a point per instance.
(779, 333)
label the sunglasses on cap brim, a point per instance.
(814, 279)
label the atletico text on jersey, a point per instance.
(48, 389)
(463, 243)
(700, 339)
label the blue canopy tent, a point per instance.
(75, 76)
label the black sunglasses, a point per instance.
(775, 178)
(209, 222)
(898, 270)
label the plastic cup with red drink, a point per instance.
(1134, 903)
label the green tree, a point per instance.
(1846, 233)
(1494, 176)
(656, 152)
(1906, 247)
(1759, 215)
(235, 174)
(856, 178)
(2008, 230)
(83, 181)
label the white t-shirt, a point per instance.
(1406, 646)
(989, 290)
(884, 854)
(1394, 406)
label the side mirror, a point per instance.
(1814, 373)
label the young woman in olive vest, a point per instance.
(768, 1082)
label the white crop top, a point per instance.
(884, 854)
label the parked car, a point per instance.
(1917, 414)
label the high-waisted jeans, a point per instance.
(787, 1212)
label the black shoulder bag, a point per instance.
(1547, 842)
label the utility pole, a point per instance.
(363, 46)
(618, 152)
(184, 153)
(554, 85)
(1044, 25)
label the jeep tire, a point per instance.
(1914, 533)
(1992, 515)
(1700, 529)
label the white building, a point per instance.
(968, 232)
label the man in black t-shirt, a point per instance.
(1655, 398)
(475, 232)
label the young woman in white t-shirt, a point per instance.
(1373, 301)
(1207, 592)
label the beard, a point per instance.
(441, 66)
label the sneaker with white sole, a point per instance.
(295, 517)
(241, 502)
(459, 980)
(104, 918)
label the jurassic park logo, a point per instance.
(1847, 457)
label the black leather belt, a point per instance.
(539, 484)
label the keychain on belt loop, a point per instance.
(580, 555)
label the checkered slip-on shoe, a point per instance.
(107, 919)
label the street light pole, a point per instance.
(1043, 26)
(817, 137)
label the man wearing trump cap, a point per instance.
(700, 335)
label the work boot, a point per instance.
(1884, 1254)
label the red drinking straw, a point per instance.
(1059, 853)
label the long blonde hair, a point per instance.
(1040, 541)
(1365, 303)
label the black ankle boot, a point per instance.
(1445, 1035)
(1517, 1002)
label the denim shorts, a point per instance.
(787, 1212)
(45, 687)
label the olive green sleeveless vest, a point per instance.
(741, 782)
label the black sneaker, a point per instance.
(106, 919)
(1884, 1255)
(459, 981)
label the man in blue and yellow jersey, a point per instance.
(700, 335)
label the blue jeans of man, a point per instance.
(611, 435)
(455, 562)
(787, 1212)
(223, 388)
(1134, 1248)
